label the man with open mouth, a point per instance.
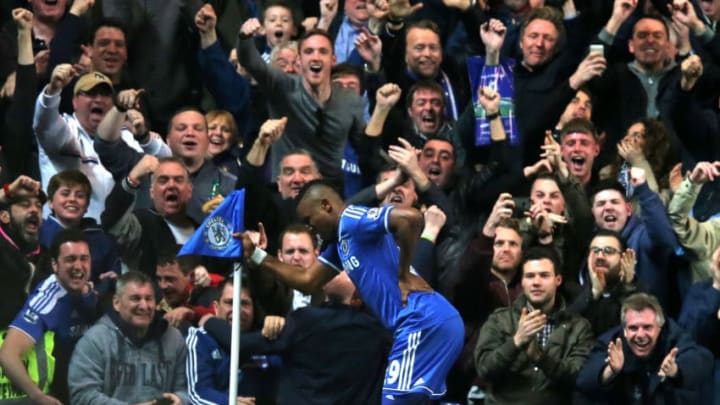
(63, 304)
(67, 141)
(648, 359)
(321, 117)
(143, 234)
(579, 147)
(650, 235)
(346, 28)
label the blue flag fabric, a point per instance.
(214, 236)
(501, 79)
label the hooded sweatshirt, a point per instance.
(112, 366)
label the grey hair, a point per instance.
(640, 301)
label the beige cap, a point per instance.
(88, 81)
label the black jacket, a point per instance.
(332, 354)
(20, 271)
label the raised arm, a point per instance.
(700, 237)
(17, 141)
(52, 132)
(267, 77)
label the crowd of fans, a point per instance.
(564, 155)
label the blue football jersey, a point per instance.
(367, 250)
(50, 307)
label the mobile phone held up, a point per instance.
(597, 48)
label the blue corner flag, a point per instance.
(214, 236)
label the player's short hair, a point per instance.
(315, 186)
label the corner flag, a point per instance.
(214, 236)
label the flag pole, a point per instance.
(235, 344)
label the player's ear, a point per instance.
(325, 205)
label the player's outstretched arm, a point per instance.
(309, 280)
(306, 279)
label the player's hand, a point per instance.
(259, 238)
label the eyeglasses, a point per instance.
(607, 250)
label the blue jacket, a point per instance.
(207, 369)
(699, 319)
(208, 372)
(639, 377)
(652, 237)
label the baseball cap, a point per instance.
(89, 81)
